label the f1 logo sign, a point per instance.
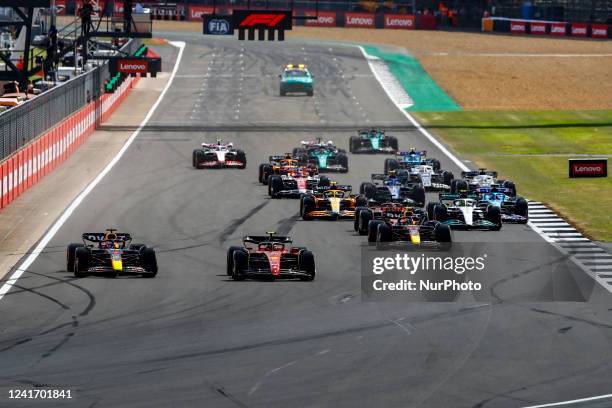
(268, 20)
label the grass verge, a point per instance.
(532, 148)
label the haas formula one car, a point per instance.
(325, 156)
(332, 203)
(270, 256)
(372, 141)
(391, 187)
(218, 155)
(110, 253)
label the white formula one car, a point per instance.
(219, 155)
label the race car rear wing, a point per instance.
(276, 158)
(100, 236)
(494, 189)
(480, 172)
(346, 188)
(445, 197)
(257, 239)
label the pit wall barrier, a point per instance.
(27, 166)
(541, 27)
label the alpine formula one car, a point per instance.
(461, 211)
(372, 141)
(332, 203)
(295, 182)
(391, 187)
(218, 155)
(296, 79)
(270, 256)
(110, 253)
(392, 222)
(326, 156)
(406, 160)
(482, 178)
(513, 209)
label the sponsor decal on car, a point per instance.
(324, 19)
(359, 20)
(588, 168)
(400, 21)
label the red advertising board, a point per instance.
(599, 31)
(558, 29)
(359, 20)
(195, 12)
(324, 19)
(579, 30)
(518, 27)
(588, 168)
(404, 21)
(133, 66)
(427, 22)
(537, 28)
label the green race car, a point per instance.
(296, 79)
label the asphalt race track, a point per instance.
(193, 337)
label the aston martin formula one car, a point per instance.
(409, 159)
(270, 256)
(296, 182)
(333, 203)
(482, 178)
(325, 155)
(111, 253)
(218, 155)
(461, 211)
(390, 187)
(296, 79)
(372, 141)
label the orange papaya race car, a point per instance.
(283, 165)
(332, 202)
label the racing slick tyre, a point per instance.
(324, 181)
(70, 253)
(148, 260)
(383, 233)
(510, 186)
(261, 172)
(390, 164)
(361, 201)
(275, 186)
(447, 177)
(442, 233)
(358, 210)
(373, 230)
(266, 172)
(353, 143)
(403, 175)
(521, 207)
(298, 151)
(343, 161)
(241, 157)
(435, 163)
(307, 264)
(81, 262)
(230, 259)
(198, 157)
(365, 216)
(393, 143)
(418, 195)
(453, 186)
(307, 205)
(239, 264)
(440, 213)
(137, 247)
(430, 210)
(461, 186)
(282, 92)
(368, 190)
(494, 216)
(310, 93)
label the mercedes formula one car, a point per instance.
(391, 187)
(111, 253)
(326, 156)
(270, 256)
(406, 160)
(372, 141)
(296, 79)
(482, 178)
(461, 211)
(333, 203)
(217, 155)
(294, 183)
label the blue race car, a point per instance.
(391, 188)
(409, 159)
(372, 141)
(513, 209)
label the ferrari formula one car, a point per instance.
(409, 159)
(326, 156)
(372, 141)
(332, 203)
(270, 256)
(391, 187)
(461, 211)
(110, 253)
(392, 222)
(218, 155)
(482, 178)
(296, 79)
(294, 183)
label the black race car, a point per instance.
(110, 253)
(389, 187)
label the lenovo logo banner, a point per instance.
(324, 19)
(579, 30)
(359, 20)
(197, 12)
(599, 31)
(559, 29)
(588, 168)
(270, 19)
(400, 21)
(537, 28)
(133, 66)
(518, 27)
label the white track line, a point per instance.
(576, 401)
(77, 201)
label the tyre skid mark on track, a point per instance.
(233, 225)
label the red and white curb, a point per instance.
(581, 250)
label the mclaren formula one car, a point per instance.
(409, 159)
(333, 203)
(482, 178)
(111, 253)
(282, 165)
(217, 155)
(296, 79)
(271, 257)
(372, 141)
(461, 211)
(391, 187)
(326, 156)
